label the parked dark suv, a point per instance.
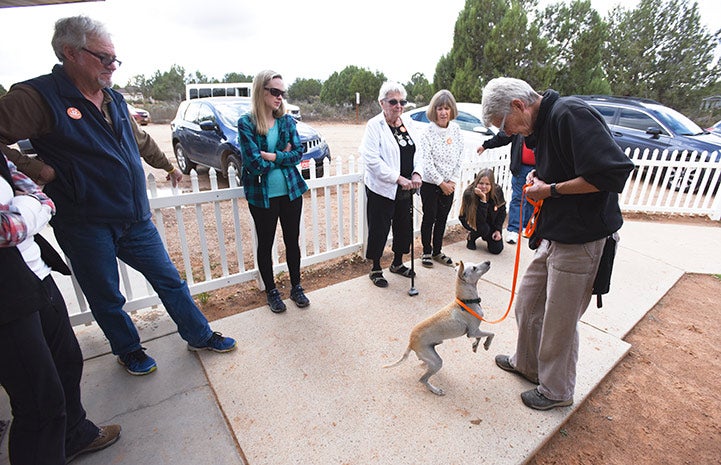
(205, 132)
(646, 124)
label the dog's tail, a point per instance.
(405, 356)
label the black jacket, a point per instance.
(571, 140)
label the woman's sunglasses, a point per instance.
(275, 92)
(393, 102)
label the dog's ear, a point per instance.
(461, 268)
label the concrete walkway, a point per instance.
(307, 387)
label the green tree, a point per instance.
(198, 78)
(340, 88)
(305, 89)
(237, 77)
(3, 91)
(660, 50)
(445, 73)
(168, 86)
(139, 85)
(493, 38)
(576, 35)
(419, 89)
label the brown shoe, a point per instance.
(107, 436)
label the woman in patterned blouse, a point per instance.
(442, 146)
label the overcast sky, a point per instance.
(297, 38)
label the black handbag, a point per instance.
(602, 283)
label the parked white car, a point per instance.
(469, 119)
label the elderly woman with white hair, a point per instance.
(392, 174)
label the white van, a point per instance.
(225, 89)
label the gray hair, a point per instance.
(390, 87)
(498, 95)
(74, 31)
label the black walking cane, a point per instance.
(412, 291)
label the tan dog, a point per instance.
(450, 322)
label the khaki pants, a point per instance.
(554, 293)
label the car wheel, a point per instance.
(235, 163)
(319, 170)
(184, 163)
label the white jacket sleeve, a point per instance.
(34, 214)
(370, 150)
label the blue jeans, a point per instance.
(517, 183)
(92, 250)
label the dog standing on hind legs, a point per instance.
(450, 322)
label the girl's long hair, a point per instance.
(258, 110)
(469, 203)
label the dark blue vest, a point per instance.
(100, 177)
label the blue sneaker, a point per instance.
(216, 343)
(137, 363)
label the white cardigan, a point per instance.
(382, 156)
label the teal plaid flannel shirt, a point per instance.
(255, 167)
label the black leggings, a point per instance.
(266, 221)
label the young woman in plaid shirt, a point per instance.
(274, 188)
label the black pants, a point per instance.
(40, 368)
(484, 231)
(436, 206)
(266, 221)
(383, 212)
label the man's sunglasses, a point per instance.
(105, 60)
(275, 92)
(393, 102)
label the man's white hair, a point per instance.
(498, 95)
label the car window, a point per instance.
(606, 112)
(420, 116)
(205, 114)
(634, 119)
(677, 122)
(191, 112)
(230, 112)
(467, 121)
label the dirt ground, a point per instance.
(660, 405)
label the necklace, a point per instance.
(401, 134)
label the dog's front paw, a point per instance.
(489, 339)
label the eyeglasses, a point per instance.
(105, 60)
(275, 92)
(503, 122)
(393, 102)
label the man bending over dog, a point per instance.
(579, 172)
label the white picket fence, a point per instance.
(217, 239)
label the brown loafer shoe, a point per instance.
(107, 436)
